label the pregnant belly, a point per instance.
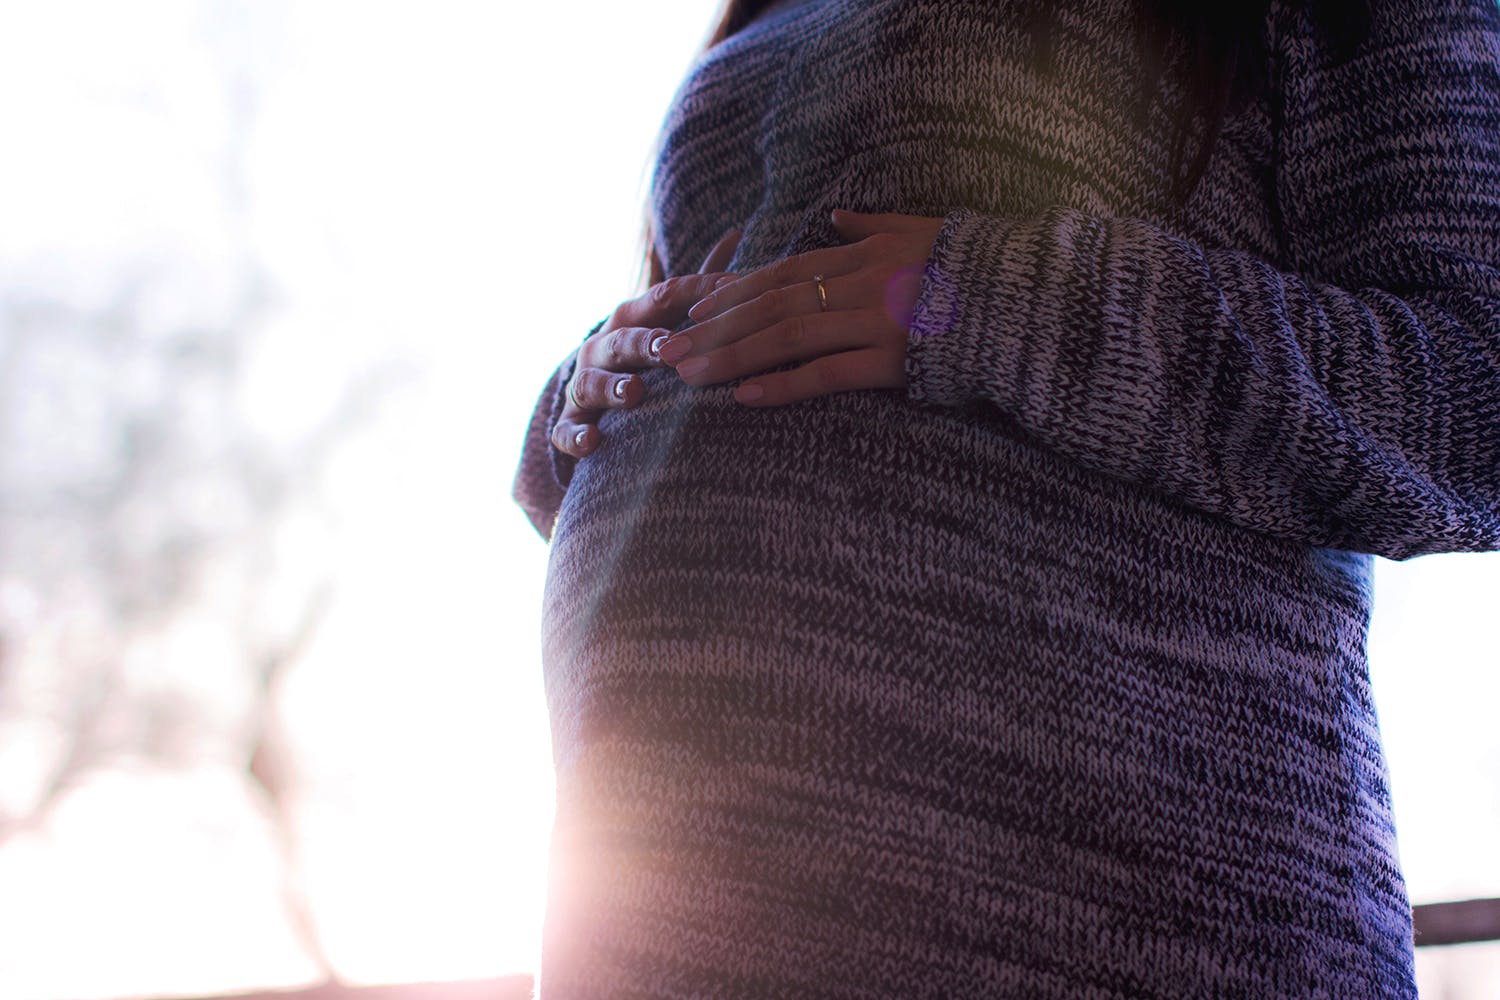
(861, 549)
(861, 664)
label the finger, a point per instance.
(861, 225)
(575, 437)
(666, 303)
(795, 270)
(797, 338)
(723, 252)
(870, 368)
(595, 389)
(625, 349)
(766, 310)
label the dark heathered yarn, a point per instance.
(1044, 677)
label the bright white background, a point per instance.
(437, 200)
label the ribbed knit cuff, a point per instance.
(964, 343)
(563, 463)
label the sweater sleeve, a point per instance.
(543, 475)
(1351, 402)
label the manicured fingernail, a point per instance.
(692, 366)
(579, 437)
(675, 349)
(619, 387)
(701, 308)
(748, 393)
(656, 342)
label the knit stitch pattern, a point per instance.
(1044, 676)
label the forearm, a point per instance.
(1300, 409)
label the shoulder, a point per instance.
(1335, 32)
(1406, 60)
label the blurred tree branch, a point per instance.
(138, 498)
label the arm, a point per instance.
(543, 475)
(1355, 404)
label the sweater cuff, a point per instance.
(541, 479)
(562, 463)
(964, 343)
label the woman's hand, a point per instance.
(604, 377)
(856, 339)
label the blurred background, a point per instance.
(279, 284)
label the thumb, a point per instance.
(859, 225)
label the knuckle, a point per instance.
(595, 386)
(790, 332)
(579, 393)
(750, 315)
(874, 281)
(769, 305)
(627, 350)
(615, 347)
(830, 374)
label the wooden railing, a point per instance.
(506, 988)
(1464, 922)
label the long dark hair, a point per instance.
(1218, 43)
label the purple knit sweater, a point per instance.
(1044, 677)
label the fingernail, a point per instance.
(692, 366)
(675, 349)
(619, 387)
(579, 438)
(655, 348)
(748, 393)
(701, 308)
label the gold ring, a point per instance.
(822, 293)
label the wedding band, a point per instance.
(822, 293)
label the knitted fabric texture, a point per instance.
(1044, 676)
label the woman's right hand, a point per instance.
(605, 376)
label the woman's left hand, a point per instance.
(856, 339)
